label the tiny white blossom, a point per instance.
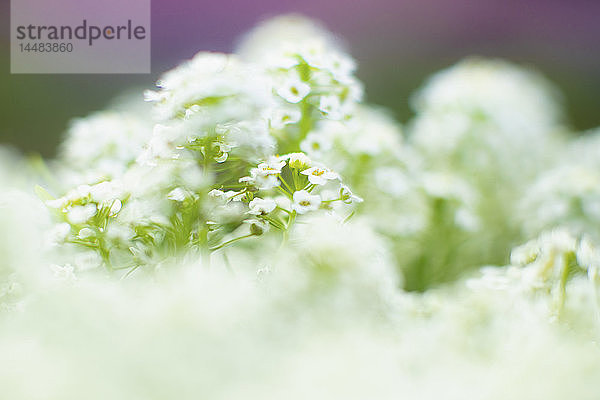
(281, 117)
(525, 253)
(293, 90)
(106, 191)
(59, 233)
(316, 144)
(216, 193)
(319, 175)
(58, 203)
(232, 195)
(331, 106)
(272, 167)
(263, 182)
(115, 208)
(260, 206)
(347, 195)
(177, 194)
(298, 161)
(80, 214)
(305, 202)
(222, 152)
(258, 226)
(80, 192)
(588, 255)
(85, 233)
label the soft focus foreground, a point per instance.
(258, 231)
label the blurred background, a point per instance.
(397, 44)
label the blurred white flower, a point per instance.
(293, 90)
(80, 214)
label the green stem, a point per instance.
(288, 212)
(275, 223)
(295, 178)
(285, 184)
(564, 276)
(230, 241)
(305, 123)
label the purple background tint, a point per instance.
(395, 28)
(397, 43)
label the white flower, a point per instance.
(80, 192)
(80, 214)
(257, 226)
(264, 176)
(260, 206)
(304, 202)
(104, 143)
(283, 202)
(280, 117)
(221, 151)
(319, 175)
(85, 233)
(340, 66)
(293, 90)
(59, 233)
(263, 182)
(316, 144)
(331, 106)
(177, 194)
(216, 193)
(115, 207)
(58, 203)
(106, 191)
(272, 167)
(232, 195)
(588, 255)
(347, 196)
(119, 232)
(298, 161)
(559, 239)
(525, 253)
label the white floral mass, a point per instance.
(260, 232)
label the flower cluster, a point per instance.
(208, 171)
(313, 79)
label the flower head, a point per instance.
(298, 161)
(293, 90)
(260, 206)
(319, 175)
(305, 202)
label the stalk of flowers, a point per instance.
(471, 124)
(312, 78)
(100, 147)
(558, 269)
(84, 216)
(566, 193)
